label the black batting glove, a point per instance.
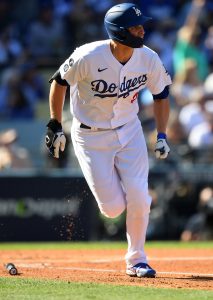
(55, 138)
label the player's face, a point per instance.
(137, 31)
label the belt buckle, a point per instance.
(94, 128)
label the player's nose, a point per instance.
(141, 30)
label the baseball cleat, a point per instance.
(141, 270)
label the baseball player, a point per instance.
(105, 78)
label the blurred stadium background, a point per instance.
(44, 199)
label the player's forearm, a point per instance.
(56, 100)
(161, 114)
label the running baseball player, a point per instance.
(105, 78)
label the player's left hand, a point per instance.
(55, 138)
(161, 147)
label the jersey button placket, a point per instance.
(115, 108)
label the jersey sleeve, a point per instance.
(158, 77)
(73, 69)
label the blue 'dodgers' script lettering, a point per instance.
(104, 89)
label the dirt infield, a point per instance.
(182, 268)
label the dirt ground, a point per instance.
(182, 268)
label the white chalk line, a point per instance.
(119, 258)
(159, 259)
(181, 258)
(46, 266)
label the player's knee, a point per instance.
(111, 205)
(138, 199)
(111, 210)
(140, 206)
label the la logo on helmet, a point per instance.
(137, 11)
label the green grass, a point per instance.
(17, 288)
(103, 245)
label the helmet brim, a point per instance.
(138, 21)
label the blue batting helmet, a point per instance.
(119, 18)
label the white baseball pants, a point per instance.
(115, 166)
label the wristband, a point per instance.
(54, 125)
(161, 135)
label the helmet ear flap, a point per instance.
(119, 31)
(122, 32)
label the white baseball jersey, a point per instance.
(114, 162)
(104, 92)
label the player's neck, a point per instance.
(121, 52)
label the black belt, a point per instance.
(84, 126)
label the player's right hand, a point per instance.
(55, 139)
(161, 148)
